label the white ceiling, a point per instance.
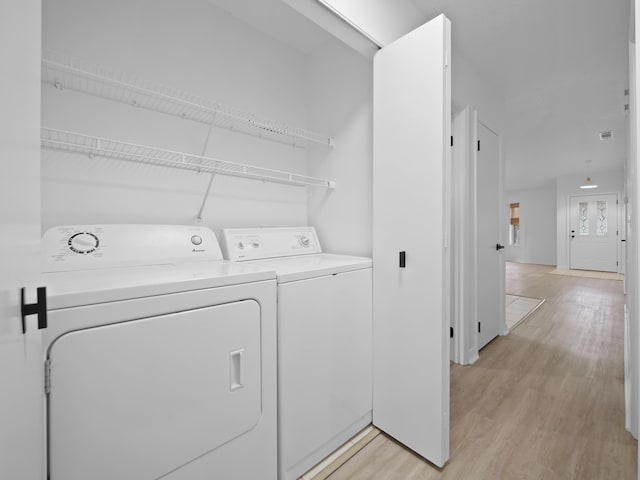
(562, 66)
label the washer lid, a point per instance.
(88, 287)
(291, 269)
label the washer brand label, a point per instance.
(196, 250)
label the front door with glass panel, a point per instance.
(593, 232)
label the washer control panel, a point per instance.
(81, 247)
(269, 242)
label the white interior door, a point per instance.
(412, 126)
(489, 242)
(21, 394)
(594, 232)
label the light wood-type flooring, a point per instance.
(544, 402)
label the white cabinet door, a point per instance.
(412, 124)
(491, 308)
(21, 409)
(594, 232)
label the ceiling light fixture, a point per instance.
(588, 183)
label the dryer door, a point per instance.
(139, 399)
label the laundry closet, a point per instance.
(186, 117)
(199, 52)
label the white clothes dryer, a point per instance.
(324, 340)
(160, 357)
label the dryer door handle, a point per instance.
(236, 370)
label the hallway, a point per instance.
(544, 402)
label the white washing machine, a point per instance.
(324, 341)
(160, 357)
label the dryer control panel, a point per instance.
(83, 247)
(270, 242)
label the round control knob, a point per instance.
(241, 245)
(83, 243)
(304, 241)
(255, 244)
(196, 239)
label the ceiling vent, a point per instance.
(606, 135)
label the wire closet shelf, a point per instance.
(64, 72)
(95, 146)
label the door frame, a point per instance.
(619, 219)
(464, 318)
(463, 269)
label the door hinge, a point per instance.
(452, 140)
(617, 265)
(478, 145)
(479, 328)
(450, 332)
(47, 376)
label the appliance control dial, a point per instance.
(83, 243)
(304, 241)
(196, 239)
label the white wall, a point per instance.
(383, 22)
(608, 182)
(364, 25)
(190, 45)
(538, 223)
(469, 88)
(340, 101)
(632, 289)
(380, 20)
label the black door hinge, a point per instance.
(39, 308)
(479, 328)
(450, 332)
(478, 145)
(402, 259)
(47, 376)
(452, 140)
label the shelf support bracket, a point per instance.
(213, 175)
(206, 197)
